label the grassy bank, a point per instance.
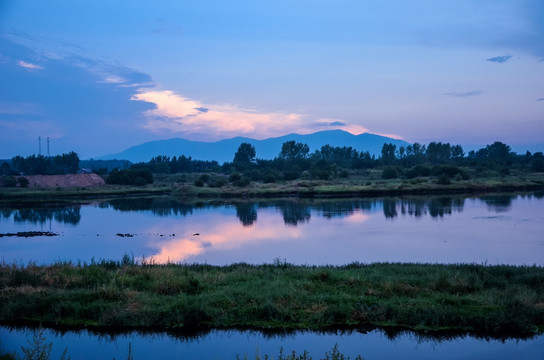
(363, 187)
(490, 300)
(60, 196)
(365, 184)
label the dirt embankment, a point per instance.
(70, 180)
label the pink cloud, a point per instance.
(179, 114)
(28, 65)
(222, 236)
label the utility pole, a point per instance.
(39, 145)
(48, 154)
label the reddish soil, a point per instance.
(71, 180)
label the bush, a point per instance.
(217, 182)
(450, 171)
(293, 173)
(23, 181)
(233, 178)
(199, 182)
(389, 173)
(137, 177)
(269, 178)
(443, 180)
(254, 175)
(9, 181)
(244, 181)
(537, 165)
(419, 170)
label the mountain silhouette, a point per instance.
(224, 150)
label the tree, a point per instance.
(498, 152)
(388, 154)
(245, 155)
(294, 150)
(457, 152)
(438, 153)
(5, 169)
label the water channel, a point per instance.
(500, 229)
(490, 229)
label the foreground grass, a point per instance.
(491, 300)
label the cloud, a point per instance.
(540, 99)
(465, 94)
(499, 59)
(330, 122)
(79, 102)
(180, 114)
(113, 79)
(28, 65)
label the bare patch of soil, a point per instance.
(62, 181)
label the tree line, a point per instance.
(13, 174)
(295, 161)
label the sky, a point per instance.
(97, 77)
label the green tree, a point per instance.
(498, 152)
(245, 155)
(438, 153)
(388, 154)
(294, 150)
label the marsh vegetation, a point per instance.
(493, 300)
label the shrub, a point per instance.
(199, 182)
(136, 177)
(450, 171)
(254, 175)
(9, 181)
(389, 173)
(537, 165)
(293, 173)
(233, 178)
(23, 181)
(419, 170)
(269, 178)
(217, 182)
(244, 181)
(443, 180)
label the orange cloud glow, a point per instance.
(222, 236)
(356, 218)
(177, 113)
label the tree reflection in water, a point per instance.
(66, 215)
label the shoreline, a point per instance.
(296, 189)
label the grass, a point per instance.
(360, 183)
(479, 299)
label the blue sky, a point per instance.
(97, 77)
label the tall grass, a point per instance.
(470, 298)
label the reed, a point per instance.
(490, 300)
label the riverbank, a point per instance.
(367, 185)
(486, 300)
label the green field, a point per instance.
(478, 299)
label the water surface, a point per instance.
(504, 229)
(228, 344)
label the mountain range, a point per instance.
(223, 150)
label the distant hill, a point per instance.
(224, 150)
